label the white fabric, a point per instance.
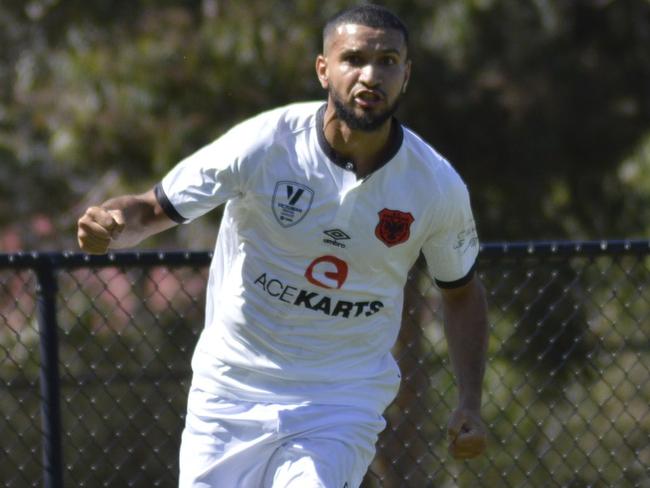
(252, 445)
(304, 298)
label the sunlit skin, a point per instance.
(366, 70)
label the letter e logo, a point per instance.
(327, 272)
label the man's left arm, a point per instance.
(466, 330)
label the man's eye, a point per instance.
(389, 61)
(353, 59)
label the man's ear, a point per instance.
(407, 76)
(321, 71)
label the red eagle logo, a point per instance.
(394, 227)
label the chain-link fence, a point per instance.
(95, 352)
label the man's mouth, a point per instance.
(368, 98)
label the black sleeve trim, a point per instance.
(167, 206)
(458, 283)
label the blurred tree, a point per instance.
(537, 103)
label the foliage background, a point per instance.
(542, 105)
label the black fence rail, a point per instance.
(95, 353)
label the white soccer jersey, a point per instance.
(305, 292)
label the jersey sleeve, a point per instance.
(205, 179)
(453, 246)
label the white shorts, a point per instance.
(233, 444)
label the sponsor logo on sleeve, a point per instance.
(394, 227)
(291, 202)
(466, 239)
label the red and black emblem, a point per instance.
(394, 227)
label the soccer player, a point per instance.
(327, 207)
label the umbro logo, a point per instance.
(335, 235)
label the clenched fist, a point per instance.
(97, 228)
(467, 434)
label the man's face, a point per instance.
(365, 70)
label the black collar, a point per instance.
(396, 138)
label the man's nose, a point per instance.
(369, 75)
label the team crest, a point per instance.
(394, 227)
(291, 202)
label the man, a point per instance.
(327, 208)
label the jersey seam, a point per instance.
(448, 285)
(167, 206)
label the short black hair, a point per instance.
(369, 15)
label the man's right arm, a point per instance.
(121, 222)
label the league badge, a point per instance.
(394, 227)
(291, 202)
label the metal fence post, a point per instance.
(49, 373)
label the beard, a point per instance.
(367, 122)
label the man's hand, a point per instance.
(467, 434)
(97, 228)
